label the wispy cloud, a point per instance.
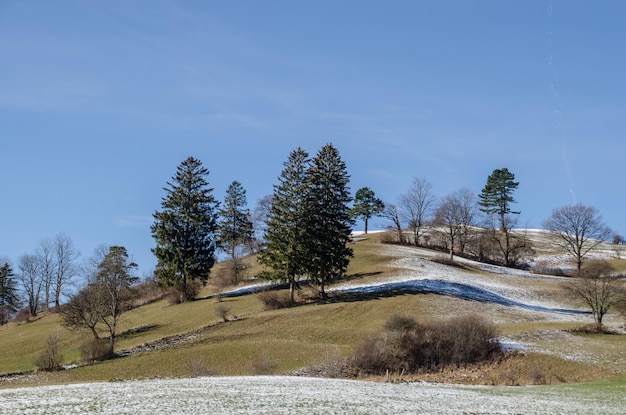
(133, 221)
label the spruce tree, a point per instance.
(496, 196)
(185, 230)
(283, 247)
(328, 219)
(234, 226)
(9, 300)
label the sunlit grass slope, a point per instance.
(256, 341)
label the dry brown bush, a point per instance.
(274, 300)
(428, 347)
(49, 359)
(200, 368)
(263, 365)
(222, 310)
(95, 349)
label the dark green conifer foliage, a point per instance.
(185, 230)
(235, 226)
(328, 219)
(9, 300)
(496, 196)
(283, 249)
(366, 205)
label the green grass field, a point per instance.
(285, 340)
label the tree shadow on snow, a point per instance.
(447, 288)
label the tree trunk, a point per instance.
(291, 291)
(365, 220)
(321, 292)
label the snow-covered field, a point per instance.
(295, 395)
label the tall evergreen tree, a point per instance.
(328, 219)
(9, 300)
(234, 226)
(283, 248)
(185, 230)
(496, 196)
(366, 205)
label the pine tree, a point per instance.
(284, 239)
(496, 196)
(235, 226)
(9, 300)
(185, 230)
(328, 219)
(366, 205)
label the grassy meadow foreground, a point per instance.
(192, 340)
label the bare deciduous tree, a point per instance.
(391, 213)
(65, 261)
(107, 295)
(598, 288)
(29, 277)
(579, 229)
(455, 216)
(260, 216)
(417, 206)
(511, 247)
(47, 266)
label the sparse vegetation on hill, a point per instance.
(204, 337)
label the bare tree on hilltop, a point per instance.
(417, 206)
(578, 230)
(454, 218)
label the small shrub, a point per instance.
(22, 316)
(400, 323)
(148, 291)
(172, 296)
(263, 365)
(95, 349)
(200, 368)
(49, 359)
(183, 293)
(546, 268)
(273, 300)
(406, 346)
(222, 310)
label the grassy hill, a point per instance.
(191, 339)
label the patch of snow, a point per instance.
(301, 395)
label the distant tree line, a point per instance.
(42, 278)
(485, 227)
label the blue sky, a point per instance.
(101, 100)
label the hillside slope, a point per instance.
(190, 339)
